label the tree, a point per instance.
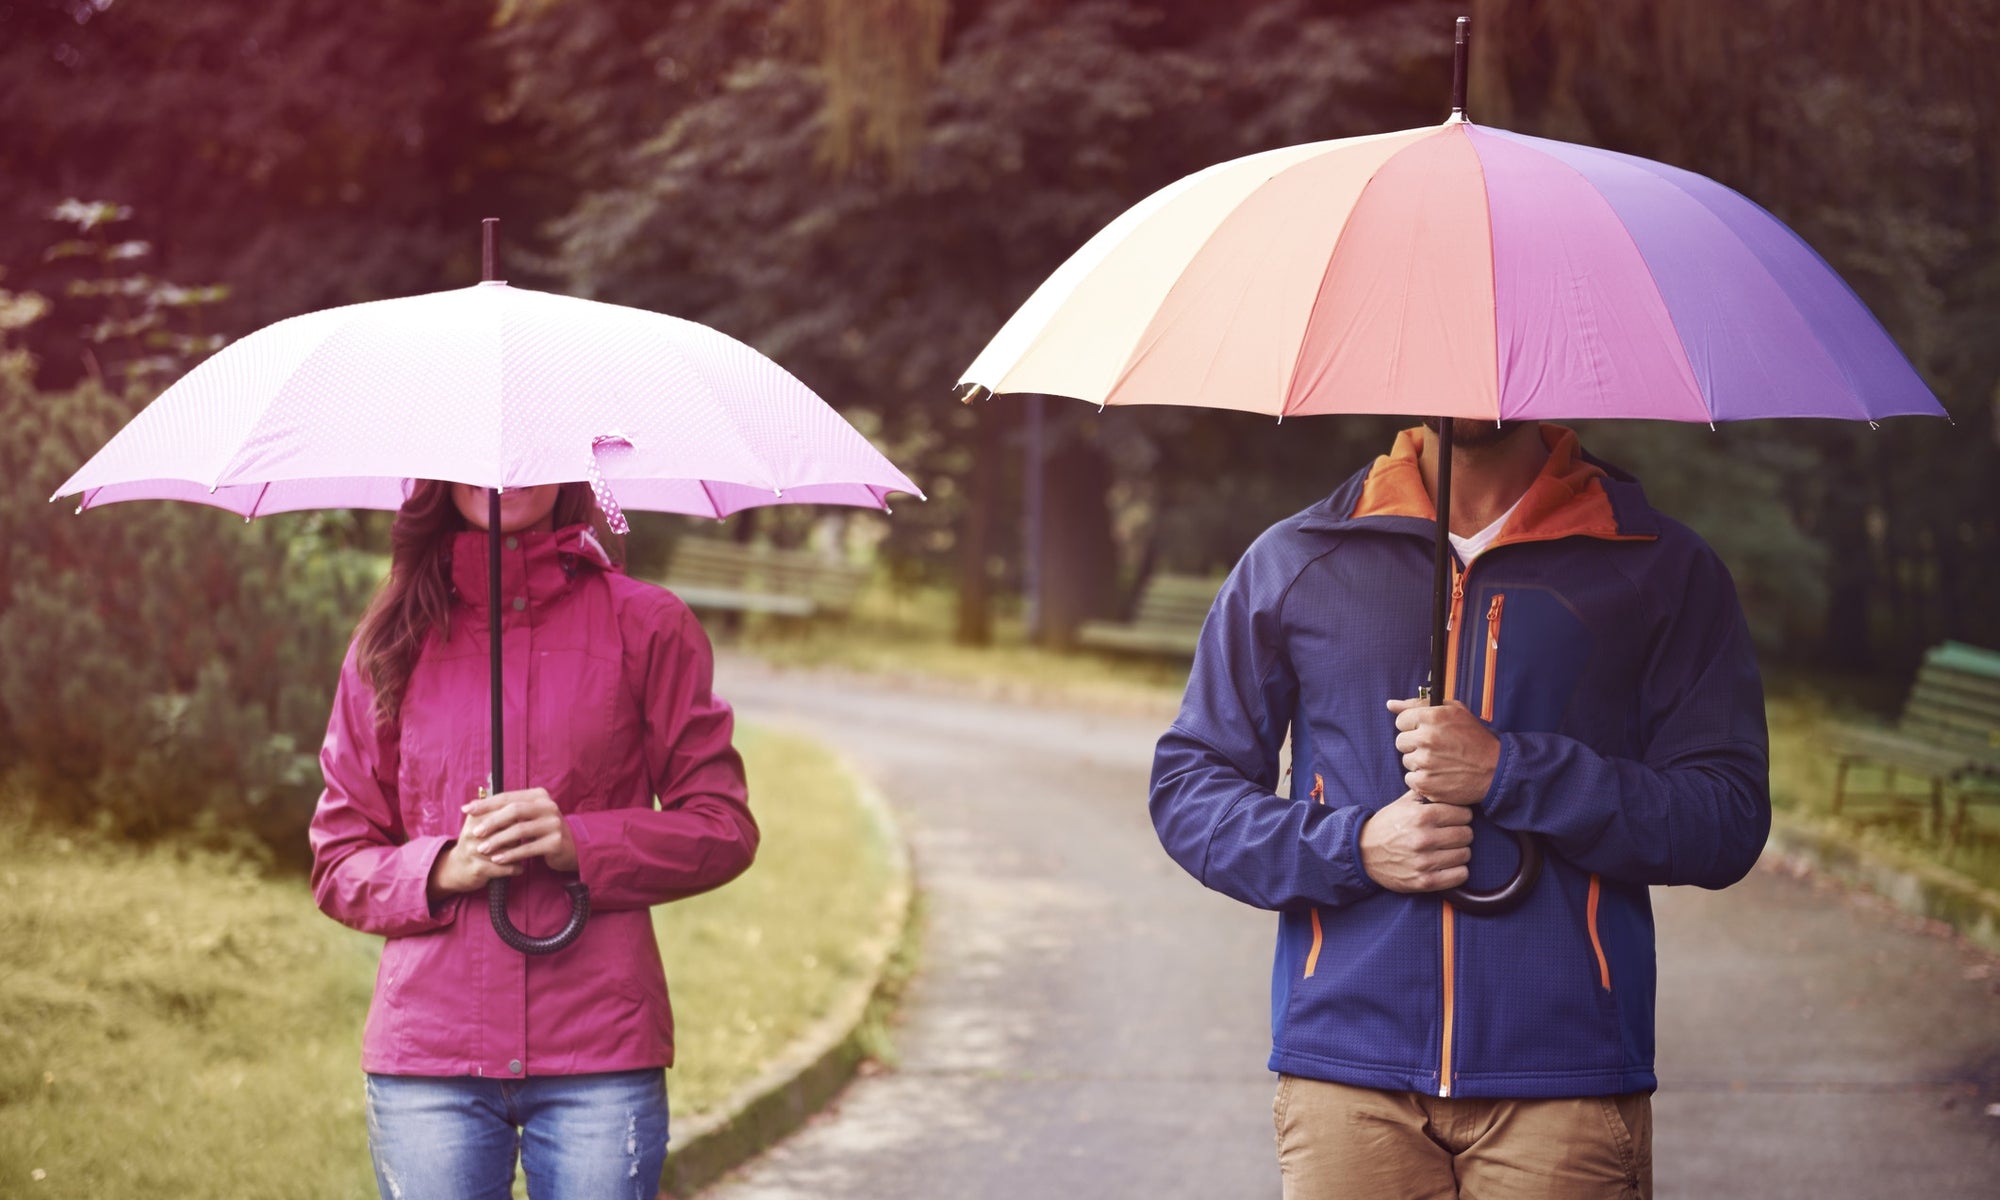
(305, 152)
(878, 285)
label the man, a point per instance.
(1603, 697)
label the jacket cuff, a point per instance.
(427, 850)
(1501, 790)
(1358, 877)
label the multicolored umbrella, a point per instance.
(1453, 272)
(499, 387)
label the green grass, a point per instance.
(1803, 770)
(908, 634)
(752, 965)
(175, 1023)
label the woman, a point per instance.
(473, 1050)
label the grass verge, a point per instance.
(174, 1022)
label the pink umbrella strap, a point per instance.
(606, 502)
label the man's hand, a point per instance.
(1448, 754)
(1411, 846)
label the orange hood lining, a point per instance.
(1567, 499)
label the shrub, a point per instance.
(168, 667)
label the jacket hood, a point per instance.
(1575, 495)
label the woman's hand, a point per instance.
(463, 869)
(498, 833)
(513, 826)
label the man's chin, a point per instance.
(1470, 434)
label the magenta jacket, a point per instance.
(607, 706)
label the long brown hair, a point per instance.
(417, 594)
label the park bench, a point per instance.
(1948, 733)
(1166, 620)
(711, 574)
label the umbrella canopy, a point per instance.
(1454, 271)
(492, 385)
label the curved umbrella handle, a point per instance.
(579, 912)
(1508, 896)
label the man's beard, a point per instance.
(1470, 434)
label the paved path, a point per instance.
(1090, 1022)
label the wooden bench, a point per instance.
(707, 573)
(1948, 733)
(1166, 620)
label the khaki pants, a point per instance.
(1336, 1141)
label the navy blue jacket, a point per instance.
(1605, 646)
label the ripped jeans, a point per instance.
(579, 1137)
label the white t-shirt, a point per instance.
(1472, 547)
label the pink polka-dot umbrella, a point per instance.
(500, 387)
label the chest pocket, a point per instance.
(579, 713)
(1532, 652)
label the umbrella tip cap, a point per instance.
(969, 392)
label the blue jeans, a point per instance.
(580, 1137)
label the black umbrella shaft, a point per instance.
(1441, 564)
(493, 628)
(496, 889)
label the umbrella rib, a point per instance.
(723, 410)
(1840, 371)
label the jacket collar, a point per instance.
(1575, 495)
(537, 566)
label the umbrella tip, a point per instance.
(969, 392)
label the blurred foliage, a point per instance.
(305, 152)
(169, 667)
(865, 191)
(878, 285)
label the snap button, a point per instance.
(515, 1066)
(513, 543)
(520, 602)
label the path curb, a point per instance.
(1920, 888)
(813, 1069)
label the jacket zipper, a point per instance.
(1492, 656)
(1448, 917)
(1312, 957)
